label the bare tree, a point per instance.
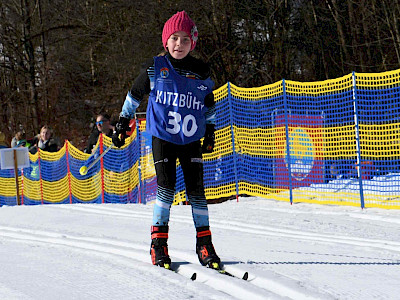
(64, 61)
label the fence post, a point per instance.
(287, 141)
(40, 175)
(101, 167)
(22, 186)
(233, 142)
(358, 148)
(16, 177)
(139, 142)
(68, 171)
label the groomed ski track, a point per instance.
(125, 254)
(234, 287)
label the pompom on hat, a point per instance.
(180, 22)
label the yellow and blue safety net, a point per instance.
(329, 142)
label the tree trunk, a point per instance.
(342, 40)
(395, 14)
(44, 76)
(378, 36)
(392, 30)
(30, 60)
(319, 43)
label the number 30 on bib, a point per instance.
(177, 124)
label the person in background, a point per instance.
(44, 140)
(180, 112)
(103, 125)
(19, 140)
(3, 143)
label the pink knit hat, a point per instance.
(180, 22)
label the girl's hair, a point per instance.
(162, 53)
(193, 54)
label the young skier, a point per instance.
(180, 112)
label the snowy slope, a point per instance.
(300, 251)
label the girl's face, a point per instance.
(179, 44)
(45, 134)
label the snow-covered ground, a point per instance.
(300, 251)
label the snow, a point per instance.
(299, 251)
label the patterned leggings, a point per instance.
(165, 155)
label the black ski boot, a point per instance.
(205, 249)
(159, 247)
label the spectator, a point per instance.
(103, 125)
(19, 140)
(3, 143)
(44, 140)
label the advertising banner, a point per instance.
(305, 149)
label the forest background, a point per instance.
(64, 61)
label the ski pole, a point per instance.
(84, 169)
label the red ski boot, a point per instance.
(205, 249)
(159, 247)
